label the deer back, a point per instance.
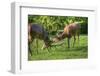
(71, 29)
(37, 31)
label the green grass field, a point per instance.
(61, 51)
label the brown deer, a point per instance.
(38, 32)
(70, 30)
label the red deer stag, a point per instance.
(38, 32)
(70, 30)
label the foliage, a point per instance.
(54, 23)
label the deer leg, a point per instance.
(48, 49)
(29, 43)
(44, 46)
(74, 41)
(78, 39)
(37, 45)
(68, 42)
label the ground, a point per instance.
(61, 51)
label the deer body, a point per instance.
(38, 32)
(70, 31)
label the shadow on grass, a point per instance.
(81, 48)
(61, 53)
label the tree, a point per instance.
(54, 23)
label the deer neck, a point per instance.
(64, 35)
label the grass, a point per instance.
(61, 51)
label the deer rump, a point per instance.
(36, 31)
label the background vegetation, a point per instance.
(53, 24)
